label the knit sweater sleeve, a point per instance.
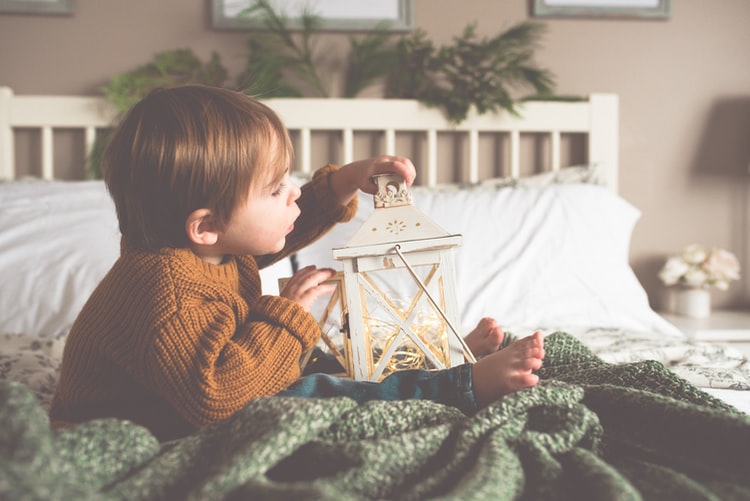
(319, 213)
(208, 367)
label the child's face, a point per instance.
(261, 224)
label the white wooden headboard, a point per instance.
(595, 118)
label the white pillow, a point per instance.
(544, 258)
(57, 241)
(589, 174)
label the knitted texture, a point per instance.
(594, 431)
(174, 343)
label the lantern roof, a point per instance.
(396, 220)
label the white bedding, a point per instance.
(546, 256)
(550, 255)
(721, 370)
(57, 241)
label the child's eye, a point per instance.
(279, 190)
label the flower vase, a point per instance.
(693, 302)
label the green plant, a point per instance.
(284, 61)
(487, 73)
(370, 58)
(415, 60)
(175, 67)
(277, 52)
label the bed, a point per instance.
(628, 406)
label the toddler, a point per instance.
(178, 335)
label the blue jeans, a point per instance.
(448, 386)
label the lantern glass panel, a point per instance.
(403, 328)
(330, 313)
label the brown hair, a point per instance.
(187, 148)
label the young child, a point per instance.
(177, 335)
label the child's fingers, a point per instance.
(306, 286)
(406, 169)
(402, 166)
(314, 276)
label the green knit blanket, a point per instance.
(589, 431)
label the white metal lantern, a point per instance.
(399, 290)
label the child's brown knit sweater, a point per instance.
(174, 343)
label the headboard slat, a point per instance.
(515, 153)
(48, 153)
(390, 141)
(473, 156)
(348, 137)
(89, 139)
(555, 150)
(432, 157)
(306, 150)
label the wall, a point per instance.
(684, 87)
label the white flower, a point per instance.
(723, 265)
(722, 285)
(697, 266)
(673, 270)
(695, 277)
(694, 254)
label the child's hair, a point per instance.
(187, 148)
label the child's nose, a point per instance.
(294, 193)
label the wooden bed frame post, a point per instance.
(604, 133)
(8, 160)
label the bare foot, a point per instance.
(485, 338)
(508, 370)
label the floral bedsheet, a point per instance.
(706, 365)
(35, 361)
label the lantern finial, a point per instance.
(392, 191)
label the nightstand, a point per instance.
(730, 327)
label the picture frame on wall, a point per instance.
(42, 7)
(336, 15)
(655, 9)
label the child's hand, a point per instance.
(358, 175)
(305, 286)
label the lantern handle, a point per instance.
(467, 351)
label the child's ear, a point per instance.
(200, 227)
